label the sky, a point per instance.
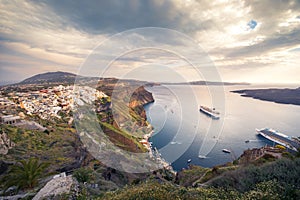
(248, 41)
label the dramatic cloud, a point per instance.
(241, 37)
(100, 16)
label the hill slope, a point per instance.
(50, 77)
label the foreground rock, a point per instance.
(5, 143)
(60, 184)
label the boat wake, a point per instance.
(174, 142)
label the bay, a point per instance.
(181, 132)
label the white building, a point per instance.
(9, 119)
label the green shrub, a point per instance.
(82, 175)
(285, 171)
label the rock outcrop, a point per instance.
(5, 143)
(141, 97)
(60, 184)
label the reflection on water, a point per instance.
(181, 131)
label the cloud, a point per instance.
(101, 16)
(274, 43)
(29, 33)
(43, 54)
(239, 35)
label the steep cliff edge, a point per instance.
(122, 90)
(141, 97)
(125, 120)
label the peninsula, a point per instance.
(285, 96)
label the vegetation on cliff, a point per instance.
(25, 174)
(162, 191)
(274, 180)
(125, 121)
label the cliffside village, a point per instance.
(46, 103)
(49, 103)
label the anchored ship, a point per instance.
(202, 156)
(210, 112)
(291, 143)
(226, 151)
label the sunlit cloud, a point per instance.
(260, 38)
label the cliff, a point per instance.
(123, 88)
(122, 115)
(140, 97)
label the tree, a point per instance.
(25, 174)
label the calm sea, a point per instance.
(181, 132)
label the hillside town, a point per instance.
(47, 103)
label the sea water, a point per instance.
(181, 132)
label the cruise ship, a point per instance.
(291, 143)
(210, 112)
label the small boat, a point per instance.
(226, 151)
(247, 141)
(189, 160)
(201, 157)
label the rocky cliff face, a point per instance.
(59, 185)
(80, 156)
(123, 89)
(125, 112)
(140, 97)
(123, 92)
(5, 143)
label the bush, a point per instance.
(285, 171)
(82, 175)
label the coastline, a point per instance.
(153, 151)
(281, 96)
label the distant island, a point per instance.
(285, 96)
(205, 83)
(65, 78)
